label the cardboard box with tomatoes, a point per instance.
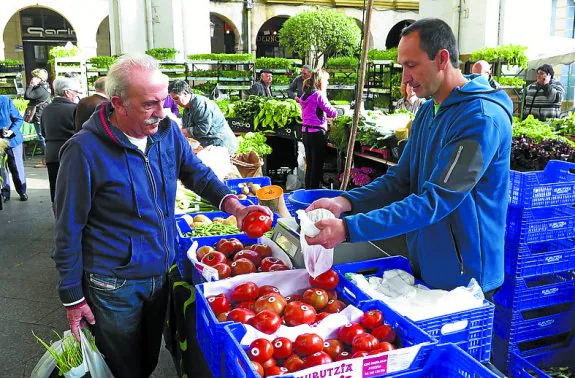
(285, 304)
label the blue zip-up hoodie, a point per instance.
(115, 205)
(10, 118)
(449, 191)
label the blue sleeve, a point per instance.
(462, 161)
(16, 118)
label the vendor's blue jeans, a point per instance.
(130, 317)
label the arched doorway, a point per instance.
(224, 35)
(31, 33)
(267, 40)
(394, 34)
(103, 38)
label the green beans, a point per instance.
(213, 229)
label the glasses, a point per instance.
(541, 73)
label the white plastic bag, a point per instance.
(217, 158)
(317, 259)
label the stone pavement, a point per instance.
(28, 299)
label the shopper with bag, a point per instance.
(10, 126)
(38, 94)
(114, 206)
(450, 189)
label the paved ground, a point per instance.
(28, 298)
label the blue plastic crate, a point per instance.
(183, 228)
(301, 199)
(449, 361)
(407, 332)
(475, 326)
(529, 366)
(535, 259)
(539, 225)
(291, 209)
(554, 186)
(522, 294)
(234, 185)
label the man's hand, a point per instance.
(332, 233)
(78, 317)
(337, 205)
(234, 207)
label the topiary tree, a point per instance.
(321, 33)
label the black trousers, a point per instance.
(13, 168)
(315, 144)
(52, 175)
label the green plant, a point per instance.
(21, 104)
(340, 102)
(389, 54)
(564, 126)
(274, 63)
(223, 104)
(224, 57)
(69, 354)
(339, 132)
(342, 61)
(163, 53)
(11, 62)
(513, 55)
(322, 32)
(62, 52)
(253, 142)
(508, 81)
(536, 130)
(277, 113)
(103, 62)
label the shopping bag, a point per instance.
(316, 258)
(249, 165)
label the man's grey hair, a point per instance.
(119, 74)
(62, 83)
(307, 67)
(179, 86)
(100, 84)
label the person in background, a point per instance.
(10, 130)
(481, 67)
(450, 188)
(263, 87)
(202, 119)
(543, 98)
(295, 89)
(87, 105)
(58, 124)
(38, 94)
(315, 106)
(115, 224)
(172, 110)
(409, 101)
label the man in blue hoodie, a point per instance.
(114, 206)
(449, 191)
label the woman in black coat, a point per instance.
(38, 93)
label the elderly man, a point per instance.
(115, 215)
(58, 124)
(544, 97)
(11, 136)
(263, 87)
(295, 89)
(87, 105)
(481, 67)
(202, 119)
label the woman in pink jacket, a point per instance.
(315, 107)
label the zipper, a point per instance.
(457, 251)
(459, 150)
(158, 210)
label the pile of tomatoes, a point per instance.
(266, 309)
(230, 258)
(367, 337)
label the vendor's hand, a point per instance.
(337, 205)
(332, 233)
(296, 98)
(79, 317)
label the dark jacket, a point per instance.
(206, 123)
(39, 96)
(449, 191)
(85, 108)
(296, 87)
(57, 126)
(11, 119)
(114, 205)
(259, 89)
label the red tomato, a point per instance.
(327, 280)
(278, 267)
(321, 316)
(256, 224)
(250, 305)
(359, 354)
(214, 258)
(268, 262)
(229, 246)
(349, 331)
(219, 303)
(331, 295)
(334, 306)
(224, 270)
(282, 348)
(343, 356)
(384, 333)
(243, 266)
(223, 316)
(258, 368)
(316, 297)
(250, 255)
(262, 250)
(365, 342)
(293, 363)
(384, 346)
(333, 347)
(371, 319)
(241, 315)
(294, 298)
(273, 302)
(308, 343)
(202, 251)
(297, 313)
(276, 370)
(245, 292)
(260, 350)
(319, 358)
(269, 363)
(267, 322)
(268, 289)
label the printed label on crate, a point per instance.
(550, 291)
(546, 323)
(562, 190)
(553, 259)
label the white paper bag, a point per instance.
(317, 259)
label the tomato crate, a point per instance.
(554, 186)
(536, 259)
(235, 185)
(523, 294)
(291, 209)
(449, 361)
(471, 330)
(238, 364)
(539, 225)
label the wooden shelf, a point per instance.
(369, 157)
